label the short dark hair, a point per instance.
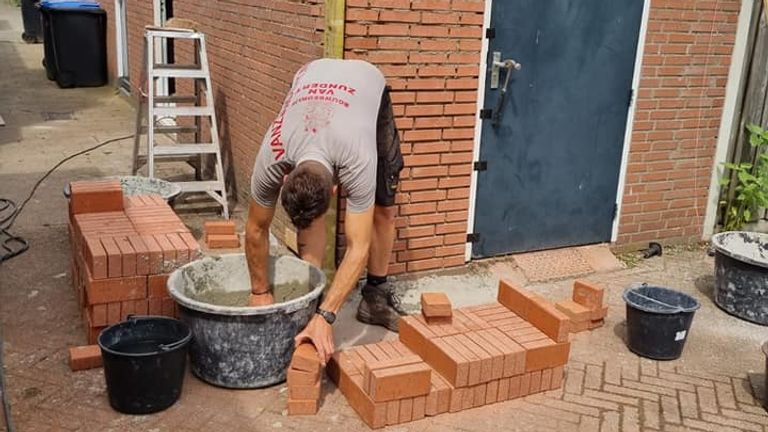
(306, 193)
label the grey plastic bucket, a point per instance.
(658, 321)
(243, 347)
(741, 274)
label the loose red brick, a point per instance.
(492, 392)
(546, 354)
(467, 400)
(515, 387)
(400, 382)
(435, 305)
(305, 358)
(98, 315)
(514, 354)
(574, 311)
(155, 306)
(419, 408)
(155, 253)
(480, 393)
(393, 412)
(475, 363)
(544, 316)
(486, 359)
(169, 307)
(113, 313)
(457, 399)
(95, 196)
(497, 356)
(371, 366)
(546, 379)
(503, 391)
(588, 295)
(301, 391)
(595, 324)
(525, 384)
(557, 377)
(216, 241)
(182, 251)
(302, 407)
(535, 385)
(405, 411)
(516, 299)
(127, 309)
(84, 357)
(169, 252)
(141, 307)
(599, 314)
(219, 227)
(301, 378)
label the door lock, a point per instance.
(497, 65)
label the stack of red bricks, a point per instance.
(304, 381)
(123, 249)
(220, 234)
(479, 355)
(585, 309)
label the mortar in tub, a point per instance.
(234, 345)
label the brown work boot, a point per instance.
(380, 306)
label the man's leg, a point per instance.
(382, 241)
(311, 242)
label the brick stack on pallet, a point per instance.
(123, 249)
(585, 309)
(481, 355)
(304, 381)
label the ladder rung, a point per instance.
(173, 72)
(175, 99)
(201, 186)
(175, 34)
(185, 149)
(142, 159)
(172, 129)
(183, 111)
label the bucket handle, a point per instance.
(677, 308)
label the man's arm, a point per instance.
(358, 228)
(257, 251)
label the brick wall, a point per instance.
(429, 51)
(685, 69)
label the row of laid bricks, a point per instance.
(123, 249)
(449, 362)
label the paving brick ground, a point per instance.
(712, 387)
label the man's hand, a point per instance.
(320, 334)
(261, 299)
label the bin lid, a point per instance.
(69, 4)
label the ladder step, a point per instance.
(185, 149)
(172, 129)
(175, 99)
(175, 34)
(178, 71)
(183, 111)
(201, 186)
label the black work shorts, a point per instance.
(390, 159)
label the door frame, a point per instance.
(479, 123)
(121, 46)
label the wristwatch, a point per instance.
(329, 317)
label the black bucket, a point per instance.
(144, 362)
(658, 321)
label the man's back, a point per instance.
(329, 116)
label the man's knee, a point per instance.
(385, 215)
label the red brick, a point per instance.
(302, 407)
(588, 295)
(216, 241)
(435, 305)
(446, 361)
(545, 354)
(95, 196)
(304, 392)
(115, 289)
(301, 378)
(574, 311)
(142, 255)
(128, 255)
(220, 227)
(84, 357)
(113, 313)
(155, 253)
(114, 258)
(157, 286)
(398, 382)
(458, 344)
(305, 358)
(96, 257)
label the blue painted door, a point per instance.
(553, 154)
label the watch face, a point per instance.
(329, 317)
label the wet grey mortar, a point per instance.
(238, 346)
(741, 275)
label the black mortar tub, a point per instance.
(242, 346)
(741, 274)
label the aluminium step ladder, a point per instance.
(155, 110)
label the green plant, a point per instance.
(750, 191)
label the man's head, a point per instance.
(306, 193)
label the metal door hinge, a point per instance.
(631, 97)
(615, 210)
(473, 238)
(480, 165)
(486, 113)
(490, 33)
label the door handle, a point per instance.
(497, 65)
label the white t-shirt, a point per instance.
(328, 116)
